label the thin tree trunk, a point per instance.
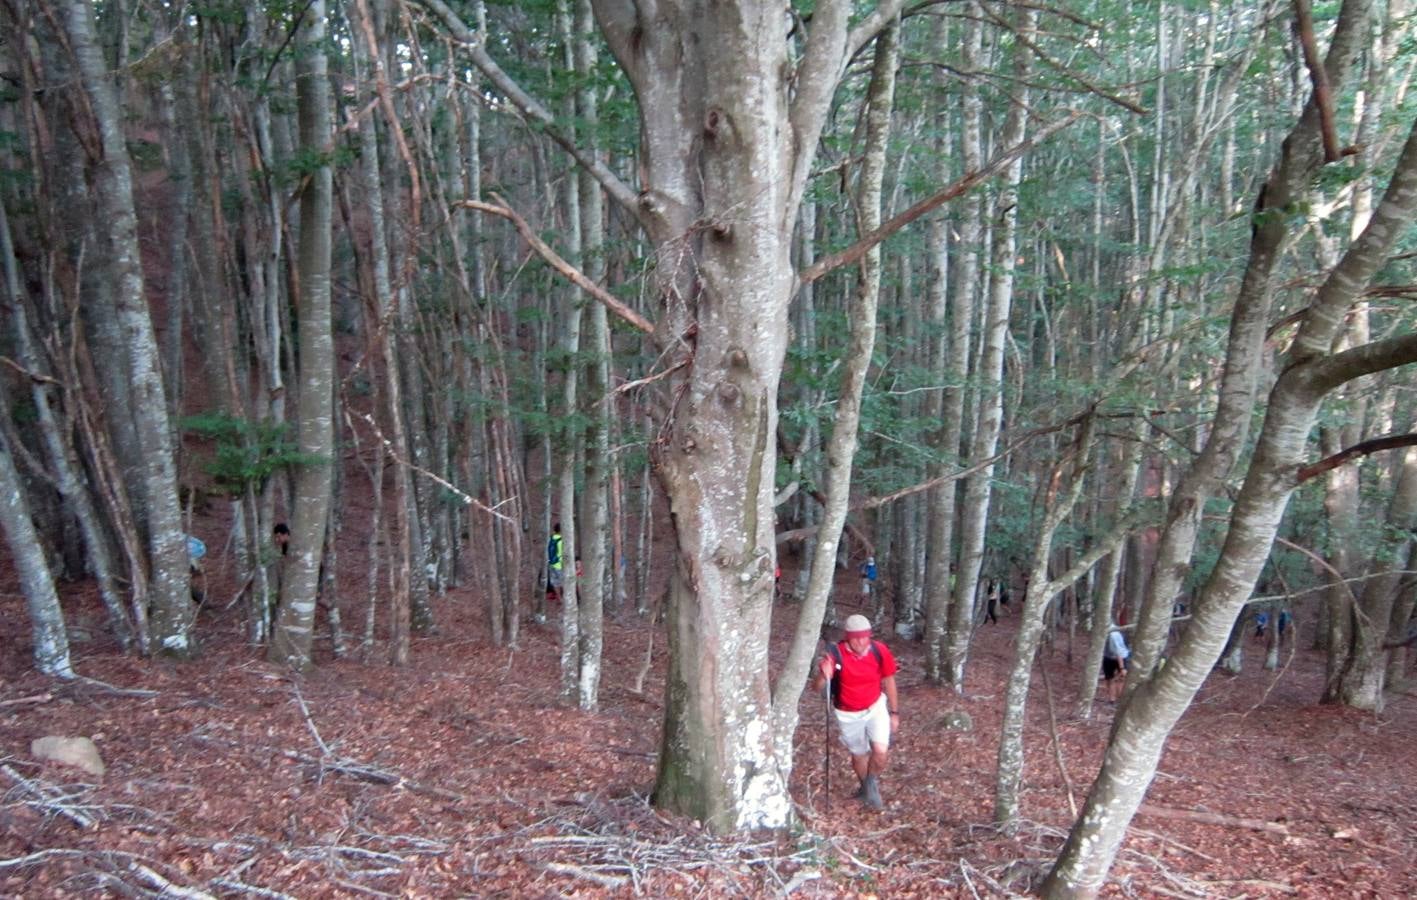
(596, 522)
(978, 487)
(294, 629)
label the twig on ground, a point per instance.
(1207, 818)
(112, 689)
(802, 877)
(607, 881)
(309, 721)
(50, 799)
(33, 698)
(1257, 883)
(166, 887)
(1154, 835)
(342, 766)
(231, 884)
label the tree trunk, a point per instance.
(965, 289)
(1362, 681)
(596, 502)
(170, 601)
(1311, 371)
(51, 640)
(294, 629)
(974, 518)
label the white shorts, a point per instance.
(861, 729)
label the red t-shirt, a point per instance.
(860, 676)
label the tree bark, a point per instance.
(51, 640)
(171, 607)
(293, 634)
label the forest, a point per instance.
(440, 438)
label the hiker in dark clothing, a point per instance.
(862, 675)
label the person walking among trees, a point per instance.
(868, 578)
(555, 563)
(863, 693)
(1114, 662)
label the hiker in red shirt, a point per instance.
(862, 674)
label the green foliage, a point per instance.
(146, 155)
(246, 453)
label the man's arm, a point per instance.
(892, 702)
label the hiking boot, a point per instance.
(860, 792)
(871, 792)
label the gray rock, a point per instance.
(69, 751)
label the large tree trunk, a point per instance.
(171, 608)
(294, 629)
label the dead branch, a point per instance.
(1362, 448)
(1323, 94)
(49, 799)
(574, 275)
(606, 881)
(960, 187)
(112, 689)
(164, 886)
(1208, 818)
(1260, 883)
(341, 766)
(33, 698)
(231, 884)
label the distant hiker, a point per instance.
(280, 536)
(1283, 622)
(195, 551)
(1114, 662)
(868, 577)
(1261, 623)
(555, 554)
(862, 675)
(994, 594)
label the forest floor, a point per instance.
(463, 774)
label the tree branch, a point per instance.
(869, 27)
(575, 275)
(1323, 94)
(970, 179)
(1062, 69)
(529, 106)
(1362, 448)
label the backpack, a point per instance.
(835, 650)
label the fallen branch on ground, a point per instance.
(1207, 818)
(34, 698)
(608, 881)
(50, 799)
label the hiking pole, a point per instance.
(827, 731)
